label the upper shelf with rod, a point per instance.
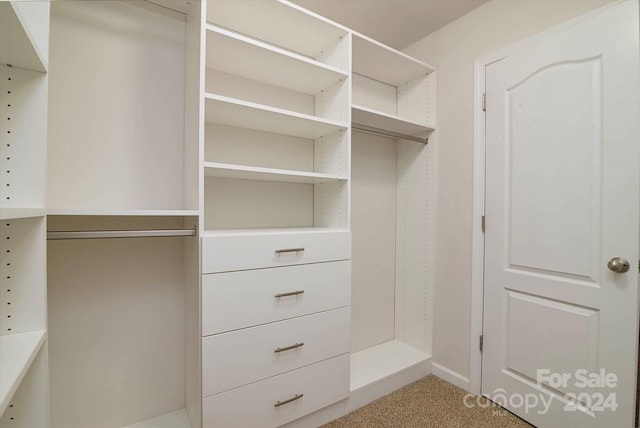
(393, 93)
(119, 225)
(376, 122)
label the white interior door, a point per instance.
(562, 200)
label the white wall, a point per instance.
(453, 49)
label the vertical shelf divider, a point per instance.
(24, 383)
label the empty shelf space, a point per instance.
(176, 419)
(383, 361)
(242, 172)
(120, 213)
(278, 23)
(242, 56)
(243, 114)
(376, 119)
(14, 213)
(18, 44)
(17, 352)
(382, 63)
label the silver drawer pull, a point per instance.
(294, 398)
(290, 293)
(290, 250)
(288, 348)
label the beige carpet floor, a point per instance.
(428, 403)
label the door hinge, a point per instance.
(484, 102)
(481, 341)
(483, 224)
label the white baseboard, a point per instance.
(450, 376)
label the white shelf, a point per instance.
(17, 352)
(279, 23)
(136, 213)
(244, 114)
(19, 44)
(14, 213)
(388, 122)
(176, 419)
(383, 361)
(382, 63)
(243, 172)
(274, 231)
(242, 56)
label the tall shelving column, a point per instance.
(24, 37)
(276, 243)
(393, 97)
(120, 158)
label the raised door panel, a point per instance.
(555, 168)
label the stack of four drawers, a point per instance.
(275, 326)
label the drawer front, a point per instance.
(239, 252)
(233, 359)
(254, 405)
(235, 300)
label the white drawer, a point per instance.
(234, 300)
(233, 359)
(254, 405)
(230, 252)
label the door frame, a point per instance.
(479, 189)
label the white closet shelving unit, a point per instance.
(249, 99)
(256, 123)
(393, 97)
(24, 35)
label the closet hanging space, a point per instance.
(123, 215)
(24, 32)
(393, 113)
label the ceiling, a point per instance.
(397, 23)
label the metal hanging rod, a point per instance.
(104, 234)
(377, 131)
